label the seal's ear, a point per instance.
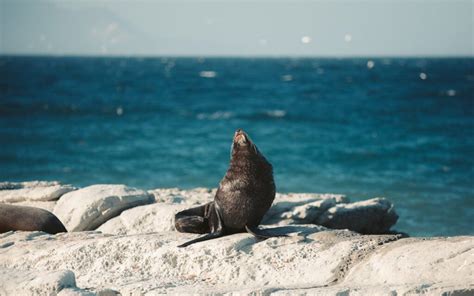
(255, 149)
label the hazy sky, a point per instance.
(238, 28)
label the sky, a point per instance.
(237, 28)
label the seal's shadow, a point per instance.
(301, 231)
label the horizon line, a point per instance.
(150, 56)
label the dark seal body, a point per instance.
(28, 219)
(247, 190)
(244, 196)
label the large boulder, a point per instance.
(144, 219)
(11, 192)
(300, 208)
(89, 207)
(373, 216)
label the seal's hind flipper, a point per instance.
(193, 220)
(262, 233)
(216, 226)
(192, 224)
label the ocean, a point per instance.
(387, 127)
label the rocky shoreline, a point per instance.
(122, 240)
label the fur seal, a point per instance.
(244, 196)
(28, 219)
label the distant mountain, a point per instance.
(49, 28)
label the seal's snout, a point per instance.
(240, 137)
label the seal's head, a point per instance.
(242, 144)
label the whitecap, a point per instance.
(276, 113)
(208, 74)
(215, 115)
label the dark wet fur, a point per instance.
(244, 196)
(195, 220)
(28, 219)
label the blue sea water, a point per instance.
(398, 128)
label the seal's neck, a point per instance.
(249, 162)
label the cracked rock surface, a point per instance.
(313, 260)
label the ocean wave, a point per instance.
(215, 115)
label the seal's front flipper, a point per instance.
(262, 233)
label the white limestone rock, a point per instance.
(11, 192)
(373, 216)
(402, 263)
(144, 219)
(44, 282)
(300, 208)
(33, 282)
(195, 196)
(312, 261)
(89, 207)
(354, 289)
